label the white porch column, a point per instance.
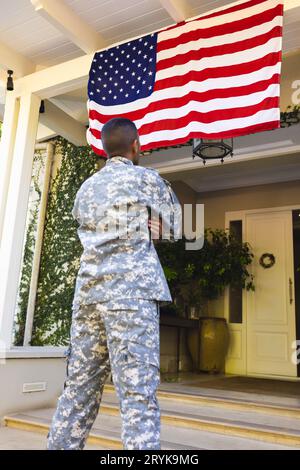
(7, 143)
(15, 213)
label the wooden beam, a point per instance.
(70, 24)
(44, 133)
(7, 143)
(63, 124)
(290, 4)
(179, 10)
(16, 212)
(12, 60)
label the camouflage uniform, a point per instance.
(115, 323)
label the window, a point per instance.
(236, 294)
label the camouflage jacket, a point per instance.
(114, 265)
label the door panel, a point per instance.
(270, 315)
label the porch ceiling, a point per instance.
(37, 31)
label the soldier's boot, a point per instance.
(87, 369)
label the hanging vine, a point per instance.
(28, 251)
(61, 248)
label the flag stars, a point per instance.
(124, 73)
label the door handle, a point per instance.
(291, 290)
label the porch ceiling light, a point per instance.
(10, 82)
(212, 149)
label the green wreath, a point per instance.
(267, 260)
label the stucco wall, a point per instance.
(216, 203)
(15, 372)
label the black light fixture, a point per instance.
(42, 107)
(10, 82)
(212, 149)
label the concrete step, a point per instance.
(17, 439)
(277, 401)
(274, 405)
(282, 426)
(107, 430)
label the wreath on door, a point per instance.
(267, 260)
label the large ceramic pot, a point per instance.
(209, 346)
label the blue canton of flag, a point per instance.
(124, 73)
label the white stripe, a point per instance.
(220, 40)
(236, 58)
(199, 87)
(215, 104)
(217, 126)
(218, 20)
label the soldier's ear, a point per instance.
(136, 146)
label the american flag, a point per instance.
(215, 76)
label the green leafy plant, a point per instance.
(196, 277)
(61, 249)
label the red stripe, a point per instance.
(266, 126)
(232, 9)
(206, 117)
(219, 72)
(217, 135)
(220, 30)
(172, 103)
(222, 49)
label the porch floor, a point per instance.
(249, 389)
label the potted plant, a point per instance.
(197, 278)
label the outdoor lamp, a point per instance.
(42, 107)
(10, 82)
(211, 149)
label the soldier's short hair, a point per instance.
(117, 136)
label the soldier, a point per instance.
(115, 315)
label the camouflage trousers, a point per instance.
(122, 337)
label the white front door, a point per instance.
(270, 310)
